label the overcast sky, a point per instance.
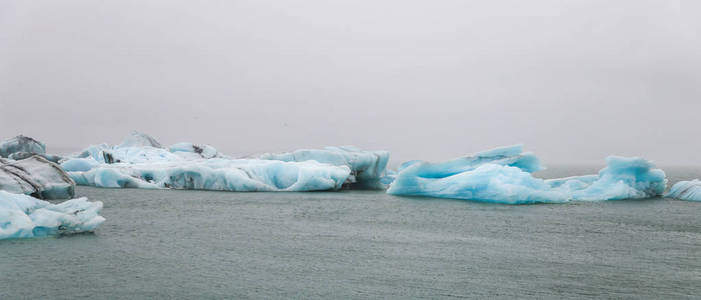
(573, 80)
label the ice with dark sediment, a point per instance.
(37, 177)
(367, 167)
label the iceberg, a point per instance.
(22, 216)
(240, 175)
(21, 143)
(140, 162)
(367, 167)
(686, 190)
(37, 177)
(503, 175)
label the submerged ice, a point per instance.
(22, 216)
(141, 162)
(503, 175)
(686, 190)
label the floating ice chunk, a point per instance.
(503, 176)
(35, 176)
(243, 175)
(623, 178)
(487, 182)
(367, 167)
(21, 143)
(686, 190)
(140, 162)
(506, 156)
(137, 139)
(22, 216)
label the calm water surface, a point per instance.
(363, 244)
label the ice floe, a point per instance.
(503, 175)
(23, 216)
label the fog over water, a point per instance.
(573, 80)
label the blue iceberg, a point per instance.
(686, 190)
(367, 167)
(141, 162)
(503, 175)
(22, 216)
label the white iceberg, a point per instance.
(140, 162)
(686, 190)
(35, 176)
(503, 175)
(22, 216)
(367, 167)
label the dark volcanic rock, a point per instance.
(23, 155)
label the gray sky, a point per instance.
(573, 80)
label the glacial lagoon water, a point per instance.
(363, 244)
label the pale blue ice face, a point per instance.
(503, 175)
(686, 190)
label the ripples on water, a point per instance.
(363, 244)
